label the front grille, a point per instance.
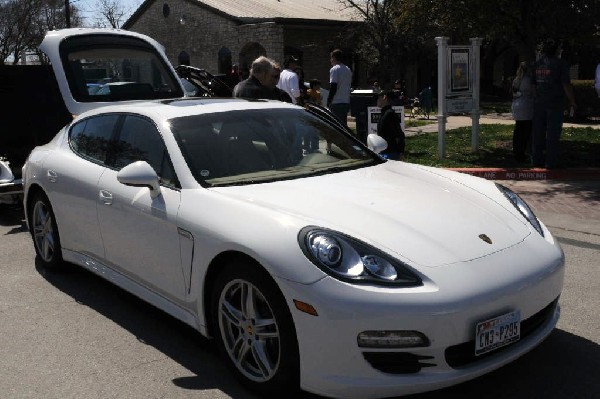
(397, 362)
(464, 354)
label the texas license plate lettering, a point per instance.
(497, 332)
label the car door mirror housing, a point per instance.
(140, 174)
(376, 143)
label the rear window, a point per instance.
(107, 68)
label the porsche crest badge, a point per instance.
(485, 238)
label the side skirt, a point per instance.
(135, 288)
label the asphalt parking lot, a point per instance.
(74, 335)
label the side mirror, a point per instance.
(140, 174)
(376, 143)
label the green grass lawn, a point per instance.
(409, 122)
(580, 148)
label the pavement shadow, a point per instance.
(151, 327)
(565, 365)
(12, 215)
(589, 191)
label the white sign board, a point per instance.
(459, 70)
(460, 105)
(375, 114)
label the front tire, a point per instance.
(45, 232)
(255, 330)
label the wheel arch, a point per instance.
(215, 268)
(32, 192)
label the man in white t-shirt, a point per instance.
(288, 80)
(340, 80)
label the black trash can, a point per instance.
(360, 100)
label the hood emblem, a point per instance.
(485, 238)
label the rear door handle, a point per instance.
(106, 197)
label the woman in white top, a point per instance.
(523, 90)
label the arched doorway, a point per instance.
(249, 53)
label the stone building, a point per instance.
(216, 34)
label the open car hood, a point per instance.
(98, 67)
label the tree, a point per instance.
(380, 43)
(112, 14)
(519, 23)
(23, 24)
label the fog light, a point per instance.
(392, 339)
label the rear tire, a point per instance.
(45, 232)
(255, 330)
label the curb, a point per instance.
(532, 173)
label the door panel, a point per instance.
(139, 230)
(140, 234)
(72, 180)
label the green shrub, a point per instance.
(588, 103)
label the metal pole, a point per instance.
(67, 14)
(442, 43)
(475, 46)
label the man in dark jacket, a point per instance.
(389, 127)
(552, 88)
(264, 75)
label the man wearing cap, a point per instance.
(288, 80)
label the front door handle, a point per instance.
(106, 197)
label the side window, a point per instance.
(140, 141)
(90, 138)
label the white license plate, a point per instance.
(497, 332)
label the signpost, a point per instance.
(458, 87)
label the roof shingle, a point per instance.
(332, 10)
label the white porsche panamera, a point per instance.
(313, 262)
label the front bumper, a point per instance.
(333, 365)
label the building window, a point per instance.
(166, 10)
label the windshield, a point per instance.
(254, 146)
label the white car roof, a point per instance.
(169, 109)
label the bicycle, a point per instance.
(417, 110)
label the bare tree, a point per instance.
(23, 24)
(111, 14)
(18, 21)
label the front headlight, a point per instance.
(523, 208)
(348, 259)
